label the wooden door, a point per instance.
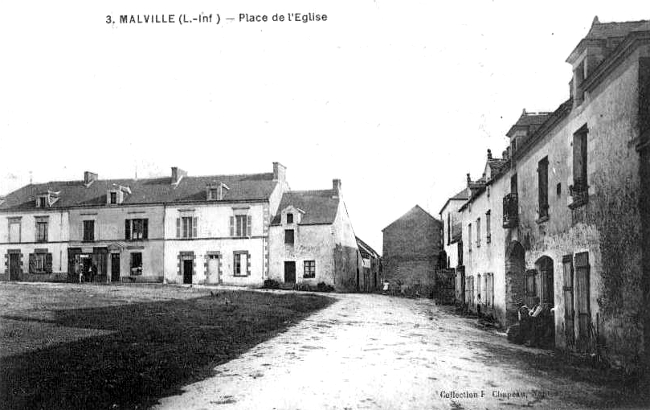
(290, 272)
(582, 299)
(188, 267)
(115, 267)
(213, 269)
(569, 310)
(14, 266)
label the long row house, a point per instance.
(564, 214)
(220, 229)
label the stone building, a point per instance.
(412, 247)
(574, 227)
(312, 241)
(178, 229)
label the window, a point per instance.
(113, 199)
(14, 230)
(488, 229)
(241, 265)
(460, 253)
(186, 227)
(40, 262)
(240, 225)
(513, 184)
(580, 187)
(136, 263)
(469, 237)
(310, 269)
(489, 289)
(478, 232)
(288, 236)
(542, 187)
(213, 194)
(289, 218)
(478, 288)
(42, 201)
(41, 230)
(136, 229)
(89, 230)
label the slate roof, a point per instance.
(320, 206)
(529, 120)
(416, 209)
(143, 191)
(600, 30)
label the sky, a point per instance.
(398, 99)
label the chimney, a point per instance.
(489, 154)
(177, 175)
(469, 180)
(89, 178)
(279, 172)
(336, 186)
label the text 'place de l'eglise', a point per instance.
(560, 218)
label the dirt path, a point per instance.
(378, 352)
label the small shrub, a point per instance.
(271, 284)
(303, 287)
(323, 287)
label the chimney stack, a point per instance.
(279, 172)
(177, 175)
(489, 154)
(336, 186)
(89, 178)
(469, 180)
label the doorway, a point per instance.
(14, 266)
(213, 269)
(115, 267)
(290, 272)
(188, 268)
(569, 311)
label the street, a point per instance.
(380, 352)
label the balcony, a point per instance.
(579, 191)
(510, 210)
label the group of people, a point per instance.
(86, 274)
(536, 324)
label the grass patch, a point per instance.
(126, 347)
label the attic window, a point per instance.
(113, 199)
(289, 218)
(42, 201)
(215, 192)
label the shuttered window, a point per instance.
(40, 262)
(187, 227)
(240, 225)
(542, 187)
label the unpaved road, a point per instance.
(379, 352)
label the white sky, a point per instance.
(398, 99)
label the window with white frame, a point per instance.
(241, 263)
(310, 269)
(136, 229)
(186, 227)
(14, 231)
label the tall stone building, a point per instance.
(412, 247)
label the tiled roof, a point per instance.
(143, 191)
(319, 207)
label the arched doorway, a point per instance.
(515, 267)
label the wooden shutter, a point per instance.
(32, 263)
(195, 223)
(232, 226)
(249, 231)
(178, 227)
(145, 229)
(127, 229)
(48, 262)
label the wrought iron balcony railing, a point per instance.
(510, 210)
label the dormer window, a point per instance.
(289, 218)
(47, 199)
(215, 192)
(116, 195)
